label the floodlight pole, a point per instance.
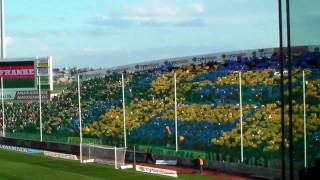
(283, 151)
(115, 158)
(175, 110)
(241, 116)
(3, 45)
(80, 120)
(40, 107)
(124, 114)
(304, 120)
(3, 118)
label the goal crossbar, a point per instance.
(110, 155)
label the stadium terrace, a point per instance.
(235, 60)
(208, 108)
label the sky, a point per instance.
(108, 33)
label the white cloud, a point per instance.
(164, 9)
(104, 17)
(27, 46)
(128, 21)
(135, 9)
(9, 40)
(199, 8)
(155, 9)
(156, 14)
(89, 50)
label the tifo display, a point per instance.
(208, 109)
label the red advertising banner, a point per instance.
(17, 71)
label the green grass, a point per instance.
(14, 165)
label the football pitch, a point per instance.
(15, 165)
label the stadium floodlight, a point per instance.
(3, 53)
(40, 107)
(3, 118)
(124, 113)
(175, 110)
(80, 120)
(241, 116)
(304, 119)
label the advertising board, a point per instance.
(21, 78)
(158, 171)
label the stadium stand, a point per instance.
(208, 107)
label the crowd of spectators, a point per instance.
(208, 110)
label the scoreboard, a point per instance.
(21, 78)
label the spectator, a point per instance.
(200, 163)
(150, 157)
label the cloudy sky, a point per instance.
(106, 33)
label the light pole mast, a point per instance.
(2, 57)
(3, 45)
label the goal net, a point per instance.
(103, 154)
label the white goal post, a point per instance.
(110, 155)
